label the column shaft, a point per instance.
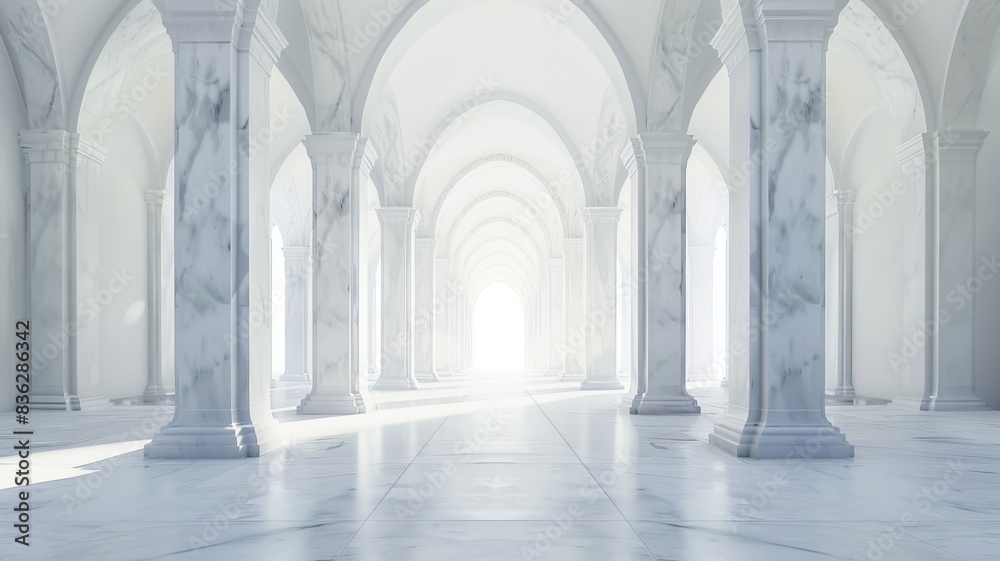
(159, 295)
(845, 294)
(576, 341)
(398, 314)
(601, 260)
(424, 329)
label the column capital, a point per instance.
(845, 196)
(158, 198)
(365, 155)
(959, 143)
(194, 21)
(405, 215)
(733, 40)
(86, 152)
(425, 244)
(555, 263)
(442, 263)
(332, 148)
(573, 243)
(296, 251)
(45, 146)
(602, 214)
(632, 156)
(802, 21)
(260, 36)
(666, 148)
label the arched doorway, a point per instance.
(498, 329)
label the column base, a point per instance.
(428, 377)
(158, 398)
(911, 403)
(331, 405)
(395, 384)
(724, 383)
(667, 405)
(228, 442)
(956, 403)
(443, 373)
(733, 435)
(807, 442)
(846, 392)
(591, 385)
(572, 377)
(86, 403)
(294, 378)
(632, 402)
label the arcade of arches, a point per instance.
(737, 229)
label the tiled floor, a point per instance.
(499, 467)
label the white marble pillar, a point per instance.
(660, 219)
(455, 326)
(340, 161)
(423, 304)
(915, 363)
(297, 272)
(777, 231)
(600, 283)
(575, 302)
(544, 333)
(557, 316)
(624, 357)
(373, 346)
(159, 295)
(443, 298)
(960, 272)
(399, 226)
(467, 327)
(65, 295)
(700, 313)
(845, 293)
(224, 53)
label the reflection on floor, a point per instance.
(504, 467)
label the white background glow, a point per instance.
(498, 329)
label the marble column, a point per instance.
(443, 299)
(557, 316)
(423, 304)
(575, 348)
(660, 220)
(373, 363)
(399, 226)
(915, 364)
(455, 326)
(544, 334)
(959, 272)
(65, 296)
(777, 231)
(223, 55)
(624, 344)
(159, 295)
(297, 271)
(340, 161)
(700, 313)
(600, 283)
(845, 294)
(467, 326)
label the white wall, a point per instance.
(12, 307)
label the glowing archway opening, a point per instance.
(498, 329)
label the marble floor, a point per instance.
(495, 466)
